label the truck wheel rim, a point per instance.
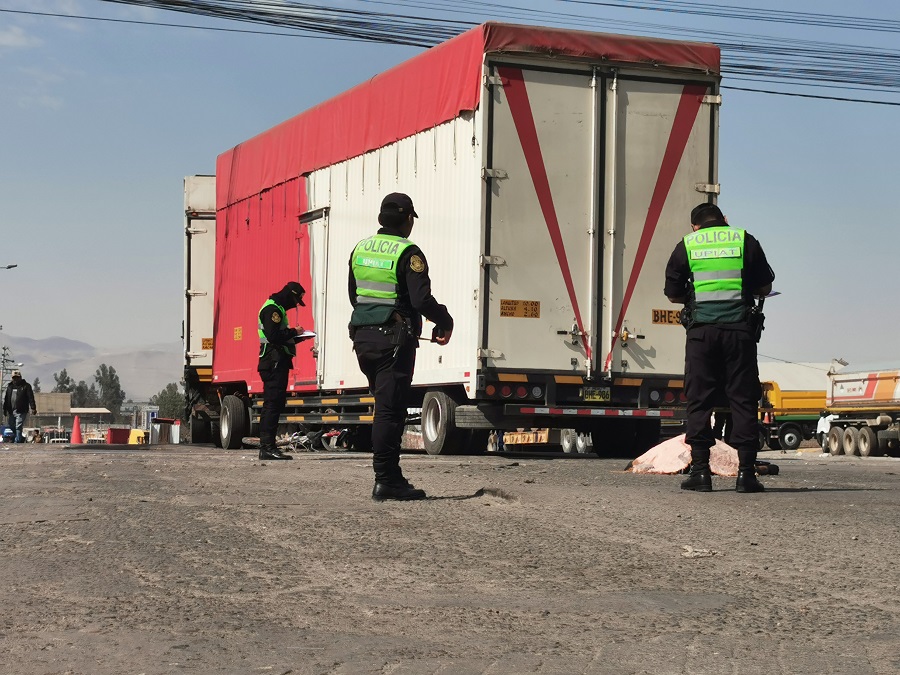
(431, 421)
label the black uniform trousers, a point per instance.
(275, 381)
(390, 379)
(720, 366)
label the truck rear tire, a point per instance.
(850, 438)
(867, 442)
(477, 441)
(790, 436)
(836, 441)
(199, 428)
(624, 437)
(567, 439)
(440, 434)
(583, 444)
(235, 422)
(647, 435)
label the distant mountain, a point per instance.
(143, 370)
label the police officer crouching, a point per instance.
(277, 348)
(390, 292)
(715, 272)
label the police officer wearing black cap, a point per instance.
(390, 291)
(277, 348)
(716, 272)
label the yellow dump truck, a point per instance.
(788, 417)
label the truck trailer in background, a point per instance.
(864, 409)
(787, 417)
(553, 172)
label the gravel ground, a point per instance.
(181, 559)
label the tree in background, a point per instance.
(64, 383)
(170, 401)
(84, 396)
(36, 385)
(110, 389)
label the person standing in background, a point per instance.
(17, 401)
(277, 348)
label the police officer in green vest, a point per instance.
(277, 348)
(716, 272)
(390, 292)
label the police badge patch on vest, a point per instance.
(416, 264)
(276, 317)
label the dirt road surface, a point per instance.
(180, 559)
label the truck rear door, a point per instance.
(660, 163)
(539, 249)
(591, 178)
(199, 269)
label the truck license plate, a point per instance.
(596, 394)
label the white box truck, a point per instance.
(553, 172)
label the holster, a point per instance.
(756, 319)
(687, 317)
(400, 331)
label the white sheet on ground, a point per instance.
(673, 455)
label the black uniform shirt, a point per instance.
(278, 333)
(414, 292)
(755, 274)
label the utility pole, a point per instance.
(4, 357)
(6, 363)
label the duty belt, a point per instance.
(386, 329)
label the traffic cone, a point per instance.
(76, 431)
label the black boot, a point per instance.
(699, 479)
(397, 489)
(746, 478)
(270, 452)
(747, 481)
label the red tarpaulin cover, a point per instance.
(418, 94)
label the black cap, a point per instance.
(294, 290)
(702, 211)
(397, 202)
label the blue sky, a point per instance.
(100, 122)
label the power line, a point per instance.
(363, 25)
(753, 58)
(754, 14)
(818, 96)
(181, 25)
(795, 363)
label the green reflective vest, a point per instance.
(716, 259)
(290, 350)
(374, 266)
